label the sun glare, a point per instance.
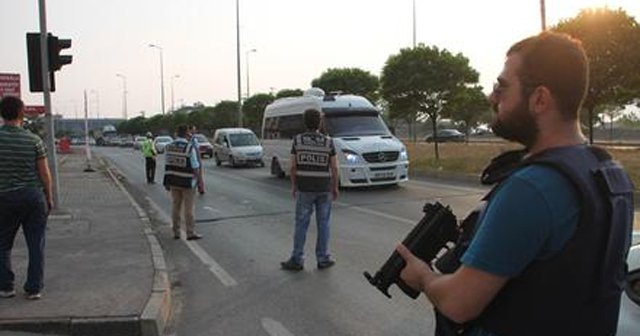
(563, 9)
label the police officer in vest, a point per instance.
(182, 169)
(314, 185)
(149, 153)
(548, 254)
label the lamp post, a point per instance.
(161, 75)
(173, 107)
(414, 24)
(124, 95)
(246, 57)
(543, 16)
(238, 62)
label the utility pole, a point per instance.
(238, 62)
(414, 24)
(543, 15)
(86, 134)
(46, 92)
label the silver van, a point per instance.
(237, 146)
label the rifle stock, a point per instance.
(437, 227)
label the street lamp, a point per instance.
(161, 75)
(124, 95)
(238, 62)
(543, 16)
(246, 57)
(414, 24)
(173, 107)
(97, 102)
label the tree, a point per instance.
(611, 39)
(419, 82)
(468, 104)
(289, 93)
(349, 80)
(224, 114)
(253, 109)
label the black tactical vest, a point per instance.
(177, 170)
(313, 152)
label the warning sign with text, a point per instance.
(9, 85)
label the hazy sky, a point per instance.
(296, 40)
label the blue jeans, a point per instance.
(27, 208)
(305, 203)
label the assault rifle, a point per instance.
(437, 228)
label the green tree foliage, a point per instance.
(469, 104)
(289, 93)
(349, 80)
(611, 39)
(224, 114)
(253, 109)
(419, 82)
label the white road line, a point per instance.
(211, 209)
(376, 213)
(204, 257)
(274, 328)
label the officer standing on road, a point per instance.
(548, 255)
(194, 143)
(314, 184)
(24, 175)
(149, 153)
(182, 169)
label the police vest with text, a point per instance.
(313, 151)
(577, 291)
(178, 170)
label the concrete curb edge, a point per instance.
(157, 310)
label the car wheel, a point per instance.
(261, 164)
(276, 169)
(218, 162)
(232, 162)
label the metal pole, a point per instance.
(97, 103)
(414, 24)
(124, 95)
(543, 15)
(173, 106)
(238, 63)
(86, 134)
(161, 75)
(46, 92)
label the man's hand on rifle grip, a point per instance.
(416, 274)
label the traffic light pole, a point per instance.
(46, 91)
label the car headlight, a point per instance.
(350, 157)
(404, 156)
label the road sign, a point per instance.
(33, 110)
(9, 85)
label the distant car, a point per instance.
(160, 142)
(204, 146)
(137, 142)
(446, 135)
(237, 146)
(629, 320)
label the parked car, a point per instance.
(160, 142)
(237, 146)
(137, 142)
(629, 321)
(446, 135)
(204, 146)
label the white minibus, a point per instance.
(368, 154)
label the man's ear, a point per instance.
(541, 99)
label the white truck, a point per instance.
(368, 154)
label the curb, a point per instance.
(157, 310)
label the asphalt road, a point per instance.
(230, 283)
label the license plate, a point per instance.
(383, 174)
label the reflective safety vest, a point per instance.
(578, 290)
(147, 148)
(313, 151)
(178, 171)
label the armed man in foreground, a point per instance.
(548, 252)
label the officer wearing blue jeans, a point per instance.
(314, 184)
(25, 198)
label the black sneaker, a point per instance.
(194, 236)
(326, 264)
(291, 265)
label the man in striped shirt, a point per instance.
(25, 197)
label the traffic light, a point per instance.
(56, 61)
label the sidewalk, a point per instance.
(104, 269)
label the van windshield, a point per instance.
(354, 124)
(243, 139)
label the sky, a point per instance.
(295, 41)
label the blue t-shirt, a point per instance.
(531, 217)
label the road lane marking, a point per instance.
(274, 328)
(376, 213)
(204, 257)
(211, 209)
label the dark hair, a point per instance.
(10, 107)
(558, 62)
(312, 119)
(182, 130)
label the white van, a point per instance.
(237, 146)
(368, 154)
